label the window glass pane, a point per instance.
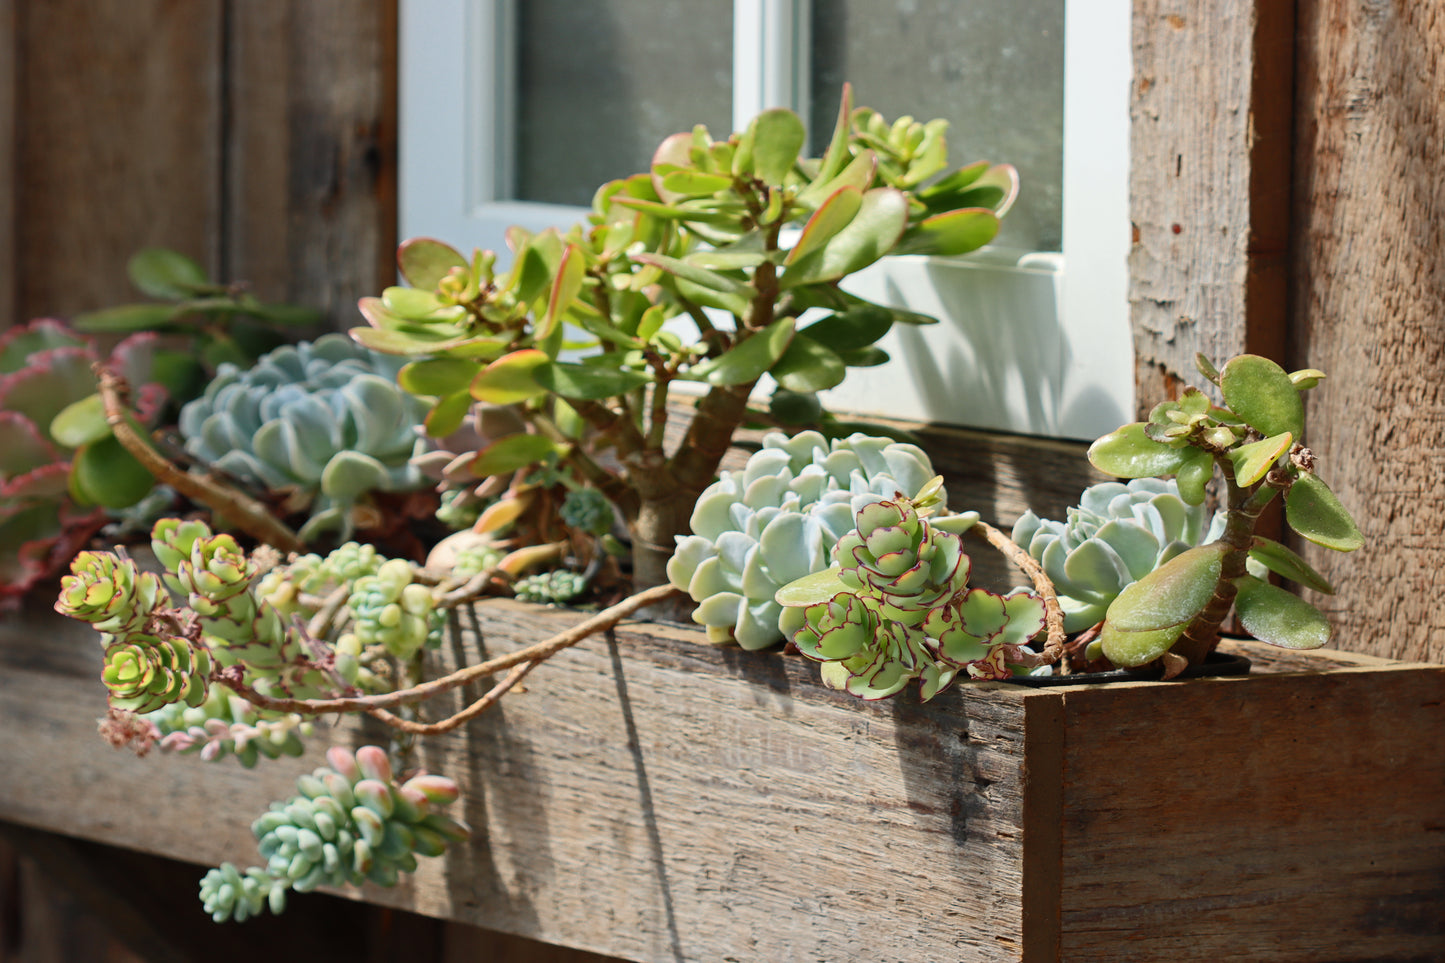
(993, 68)
(601, 83)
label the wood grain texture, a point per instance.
(118, 144)
(1209, 185)
(9, 81)
(653, 798)
(311, 150)
(1370, 283)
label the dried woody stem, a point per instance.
(521, 662)
(1053, 614)
(245, 512)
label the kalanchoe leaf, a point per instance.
(1260, 392)
(1272, 615)
(1254, 460)
(1285, 563)
(1172, 594)
(1315, 512)
(1128, 452)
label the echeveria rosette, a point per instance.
(111, 593)
(778, 519)
(144, 672)
(1117, 534)
(1173, 614)
(323, 420)
(351, 822)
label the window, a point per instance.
(1033, 334)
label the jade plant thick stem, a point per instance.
(1254, 442)
(738, 238)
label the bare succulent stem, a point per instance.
(541, 651)
(240, 509)
(1053, 649)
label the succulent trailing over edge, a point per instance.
(322, 421)
(778, 519)
(351, 822)
(1115, 536)
(896, 607)
(227, 725)
(1253, 441)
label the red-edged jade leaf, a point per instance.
(509, 379)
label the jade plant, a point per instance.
(1253, 442)
(739, 237)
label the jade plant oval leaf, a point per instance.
(163, 273)
(1129, 453)
(808, 365)
(1129, 650)
(854, 328)
(410, 302)
(127, 317)
(104, 473)
(1194, 475)
(872, 233)
(1313, 510)
(80, 422)
(588, 382)
(1172, 594)
(778, 135)
(1254, 460)
(511, 453)
(424, 261)
(565, 287)
(832, 216)
(1285, 563)
(748, 360)
(1272, 615)
(951, 233)
(509, 379)
(448, 414)
(1259, 391)
(438, 376)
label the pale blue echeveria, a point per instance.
(1116, 535)
(775, 521)
(324, 419)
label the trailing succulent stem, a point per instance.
(1173, 614)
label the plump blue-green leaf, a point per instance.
(1285, 563)
(778, 135)
(104, 473)
(1316, 513)
(588, 382)
(950, 233)
(811, 589)
(746, 361)
(871, 233)
(809, 365)
(1129, 453)
(511, 453)
(1254, 460)
(1272, 615)
(163, 273)
(348, 474)
(1259, 391)
(424, 261)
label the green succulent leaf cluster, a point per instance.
(227, 725)
(351, 822)
(551, 588)
(1254, 440)
(777, 520)
(588, 510)
(393, 610)
(1116, 535)
(897, 607)
(322, 421)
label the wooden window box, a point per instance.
(651, 797)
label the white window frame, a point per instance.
(1065, 370)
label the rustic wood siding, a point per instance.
(1370, 307)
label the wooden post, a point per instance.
(1209, 185)
(1369, 293)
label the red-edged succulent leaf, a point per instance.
(47, 483)
(19, 344)
(23, 447)
(51, 382)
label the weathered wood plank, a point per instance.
(311, 153)
(118, 145)
(1209, 184)
(1248, 839)
(1370, 282)
(9, 81)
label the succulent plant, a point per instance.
(1173, 614)
(589, 511)
(59, 463)
(351, 822)
(550, 588)
(777, 520)
(393, 610)
(897, 607)
(323, 422)
(1115, 536)
(227, 725)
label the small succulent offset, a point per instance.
(1173, 614)
(351, 822)
(1115, 536)
(777, 520)
(896, 606)
(322, 422)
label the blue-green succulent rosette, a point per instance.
(777, 520)
(324, 420)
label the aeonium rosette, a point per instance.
(896, 606)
